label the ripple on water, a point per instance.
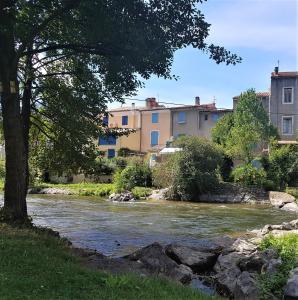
(98, 224)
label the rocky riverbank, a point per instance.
(229, 267)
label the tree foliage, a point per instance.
(247, 130)
(65, 60)
(194, 170)
(283, 166)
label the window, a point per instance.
(111, 153)
(206, 117)
(287, 95)
(214, 117)
(124, 120)
(154, 138)
(155, 117)
(109, 140)
(105, 120)
(287, 125)
(181, 117)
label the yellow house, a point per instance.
(156, 129)
(151, 125)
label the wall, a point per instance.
(195, 124)
(278, 109)
(163, 126)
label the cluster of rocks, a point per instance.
(122, 197)
(49, 191)
(230, 266)
(283, 201)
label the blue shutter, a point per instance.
(124, 120)
(111, 153)
(109, 140)
(155, 117)
(181, 117)
(154, 138)
(105, 120)
(214, 117)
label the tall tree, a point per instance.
(94, 51)
(251, 130)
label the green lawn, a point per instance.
(34, 265)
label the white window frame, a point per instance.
(157, 138)
(283, 95)
(282, 125)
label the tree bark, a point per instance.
(15, 180)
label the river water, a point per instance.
(118, 228)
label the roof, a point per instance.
(259, 94)
(201, 107)
(284, 74)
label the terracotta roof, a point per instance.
(259, 94)
(284, 74)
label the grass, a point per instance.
(287, 247)
(90, 189)
(34, 265)
(82, 189)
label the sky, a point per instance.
(260, 31)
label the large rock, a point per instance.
(197, 260)
(159, 194)
(226, 281)
(243, 246)
(291, 288)
(290, 207)
(279, 199)
(258, 261)
(246, 287)
(122, 197)
(227, 261)
(155, 260)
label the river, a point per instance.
(118, 228)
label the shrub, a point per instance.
(2, 169)
(287, 247)
(135, 174)
(193, 170)
(163, 172)
(141, 192)
(283, 166)
(248, 175)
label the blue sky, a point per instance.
(260, 31)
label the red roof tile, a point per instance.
(284, 74)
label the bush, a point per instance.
(287, 247)
(163, 172)
(135, 174)
(248, 175)
(193, 171)
(2, 169)
(141, 192)
(283, 166)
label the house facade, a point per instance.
(196, 120)
(155, 125)
(283, 106)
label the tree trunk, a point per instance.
(15, 180)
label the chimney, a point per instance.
(151, 102)
(197, 100)
(276, 70)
